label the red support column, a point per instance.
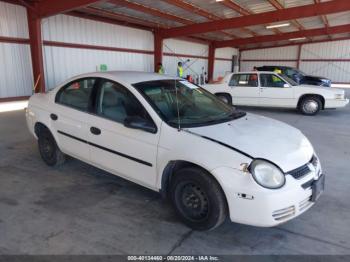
(158, 49)
(211, 60)
(299, 54)
(34, 26)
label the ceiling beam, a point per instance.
(323, 8)
(48, 7)
(276, 4)
(285, 36)
(197, 10)
(323, 17)
(151, 11)
(295, 44)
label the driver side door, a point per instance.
(126, 152)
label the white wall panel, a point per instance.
(248, 66)
(195, 66)
(221, 68)
(336, 71)
(62, 63)
(288, 52)
(69, 29)
(184, 47)
(13, 21)
(226, 52)
(16, 77)
(333, 49)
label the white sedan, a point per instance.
(268, 89)
(173, 137)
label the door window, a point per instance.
(76, 94)
(116, 103)
(249, 80)
(271, 80)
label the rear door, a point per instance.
(130, 153)
(69, 117)
(244, 89)
(275, 92)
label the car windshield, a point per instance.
(179, 102)
(289, 80)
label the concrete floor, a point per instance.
(78, 209)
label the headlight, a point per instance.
(267, 174)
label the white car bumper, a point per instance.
(335, 103)
(258, 206)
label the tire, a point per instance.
(198, 199)
(225, 98)
(48, 149)
(310, 105)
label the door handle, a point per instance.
(54, 117)
(95, 130)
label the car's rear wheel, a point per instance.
(198, 199)
(49, 150)
(225, 98)
(310, 105)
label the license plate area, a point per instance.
(318, 188)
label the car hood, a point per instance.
(262, 137)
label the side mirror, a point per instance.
(286, 85)
(136, 122)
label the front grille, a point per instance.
(300, 171)
(284, 213)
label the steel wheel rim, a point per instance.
(192, 201)
(310, 106)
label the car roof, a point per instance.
(255, 72)
(130, 77)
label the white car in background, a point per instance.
(268, 89)
(173, 137)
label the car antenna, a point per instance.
(177, 108)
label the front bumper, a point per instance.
(254, 205)
(335, 103)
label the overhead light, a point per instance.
(298, 38)
(277, 25)
(219, 0)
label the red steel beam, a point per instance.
(49, 7)
(35, 41)
(323, 17)
(292, 13)
(151, 11)
(273, 38)
(197, 10)
(158, 50)
(276, 4)
(211, 60)
(294, 44)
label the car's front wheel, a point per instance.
(310, 105)
(225, 98)
(49, 150)
(198, 199)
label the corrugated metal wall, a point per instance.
(329, 59)
(222, 67)
(338, 71)
(195, 66)
(15, 62)
(62, 62)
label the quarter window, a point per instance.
(116, 103)
(248, 80)
(271, 80)
(77, 94)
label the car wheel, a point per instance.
(310, 105)
(198, 199)
(225, 98)
(49, 150)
